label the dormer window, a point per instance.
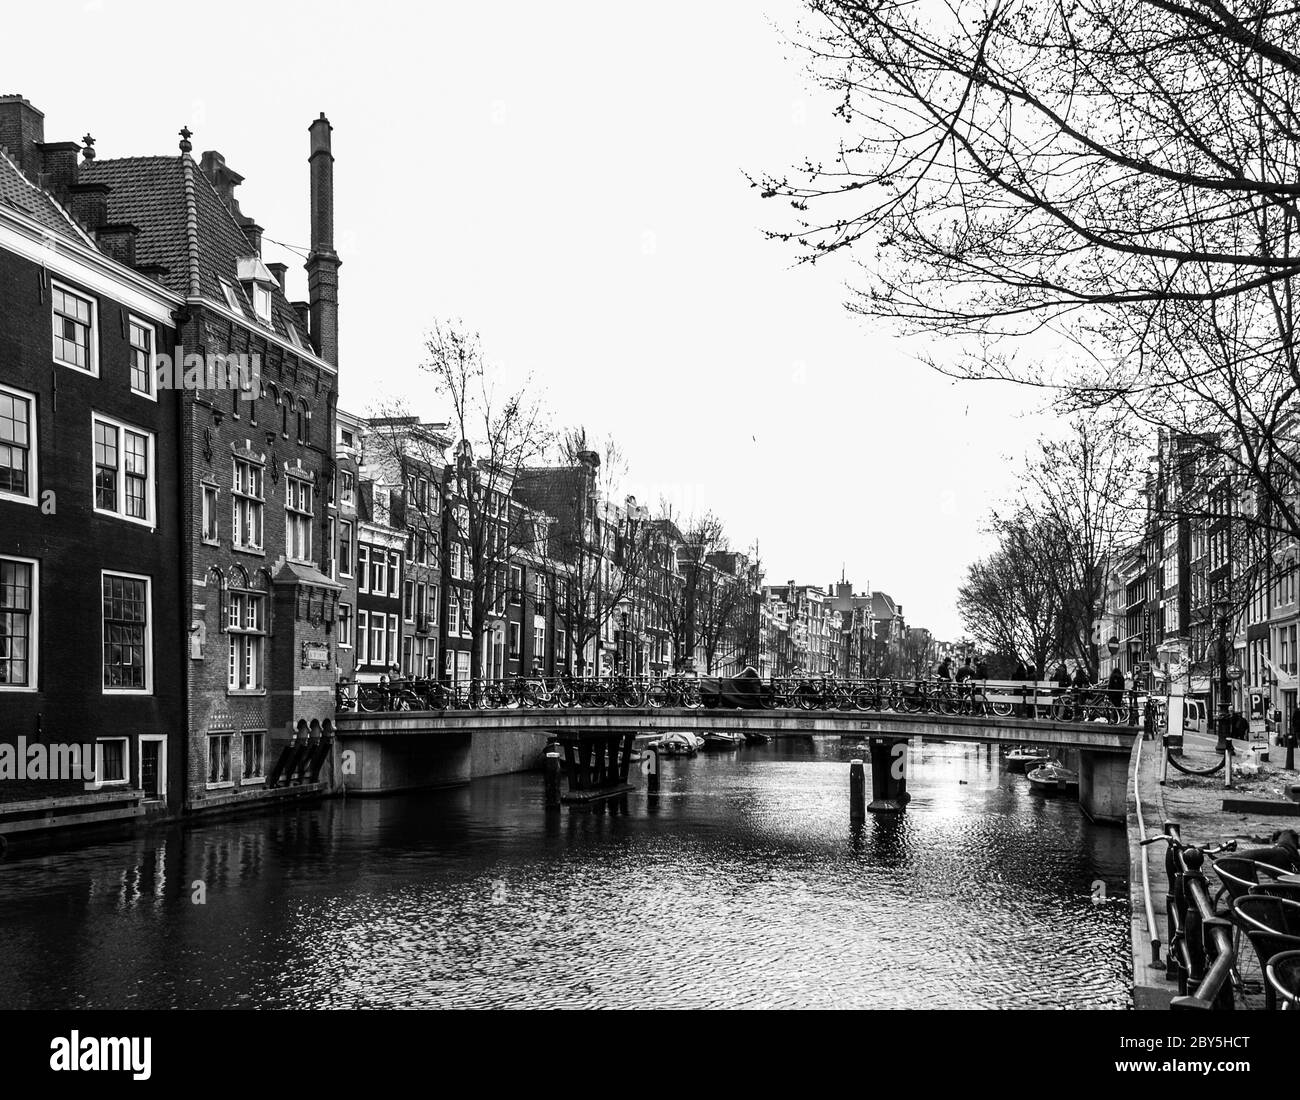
(262, 302)
(258, 282)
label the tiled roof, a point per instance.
(19, 193)
(167, 195)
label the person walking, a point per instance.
(981, 669)
(944, 671)
(1061, 676)
(1115, 684)
(1019, 673)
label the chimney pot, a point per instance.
(88, 203)
(279, 271)
(22, 130)
(118, 241)
(323, 263)
(58, 165)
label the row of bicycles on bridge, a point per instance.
(691, 692)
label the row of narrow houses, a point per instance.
(198, 547)
(1208, 587)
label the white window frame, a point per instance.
(210, 784)
(246, 780)
(363, 571)
(212, 513)
(254, 502)
(92, 340)
(100, 781)
(345, 539)
(362, 639)
(232, 297)
(33, 449)
(347, 624)
(151, 379)
(294, 515)
(34, 628)
(245, 598)
(148, 634)
(150, 519)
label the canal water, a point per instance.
(743, 883)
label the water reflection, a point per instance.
(744, 882)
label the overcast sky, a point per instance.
(569, 180)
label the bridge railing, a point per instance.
(997, 698)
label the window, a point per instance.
(75, 341)
(539, 640)
(304, 422)
(248, 506)
(394, 573)
(111, 759)
(408, 601)
(455, 560)
(378, 572)
(141, 337)
(378, 631)
(126, 633)
(219, 759)
(432, 607)
(363, 638)
(210, 529)
(347, 495)
(516, 584)
(254, 756)
(516, 639)
(17, 446)
(363, 568)
(18, 623)
(345, 548)
(539, 588)
(297, 519)
(232, 298)
(123, 470)
(345, 626)
(453, 612)
(393, 629)
(246, 626)
(262, 302)
(331, 535)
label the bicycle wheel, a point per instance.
(1063, 710)
(369, 700)
(1002, 708)
(691, 696)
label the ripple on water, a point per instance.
(743, 884)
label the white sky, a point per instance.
(568, 179)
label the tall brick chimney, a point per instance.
(323, 263)
(22, 130)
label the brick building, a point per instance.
(91, 639)
(256, 467)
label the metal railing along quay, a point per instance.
(1201, 955)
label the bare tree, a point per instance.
(1114, 176)
(497, 436)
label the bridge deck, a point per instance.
(1097, 736)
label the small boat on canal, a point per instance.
(1027, 757)
(718, 741)
(674, 744)
(1053, 777)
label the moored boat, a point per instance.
(1053, 776)
(1028, 756)
(716, 741)
(674, 744)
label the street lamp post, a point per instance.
(1223, 743)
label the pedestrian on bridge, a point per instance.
(1020, 672)
(1116, 687)
(944, 671)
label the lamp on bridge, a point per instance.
(1222, 607)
